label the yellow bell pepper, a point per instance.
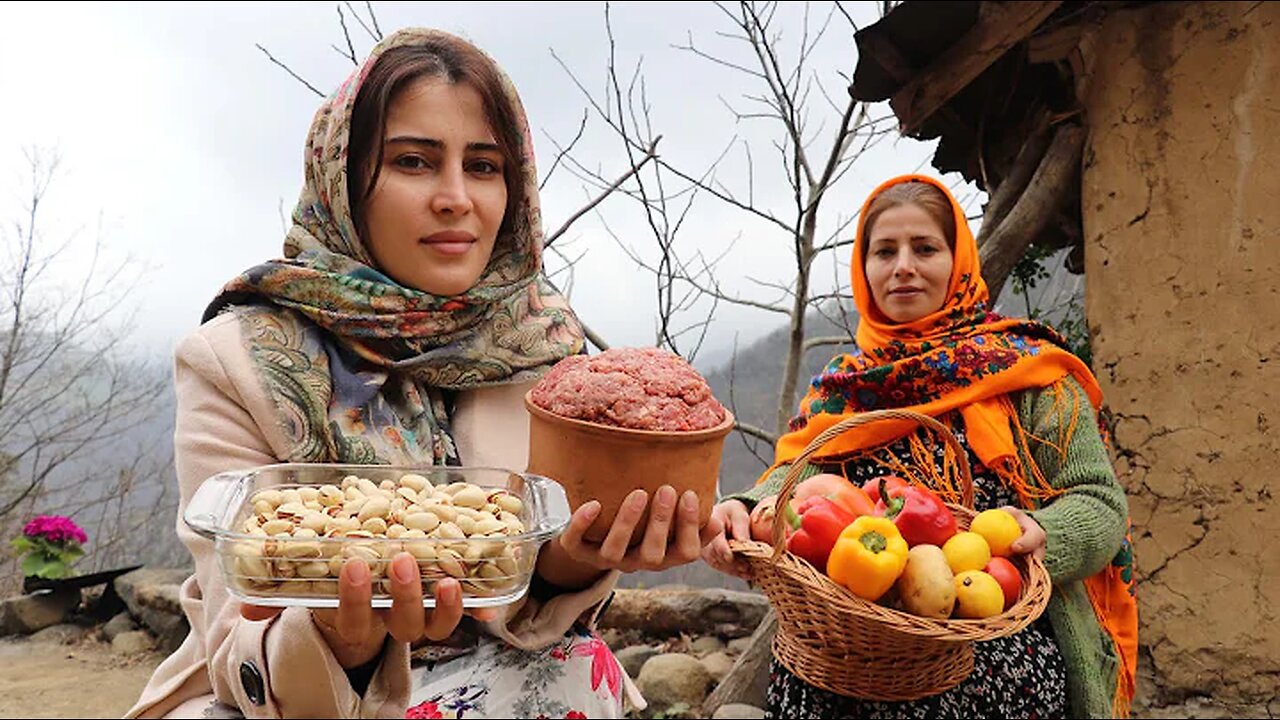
(868, 557)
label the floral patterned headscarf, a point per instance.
(359, 365)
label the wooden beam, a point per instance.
(895, 65)
(1000, 26)
(1035, 208)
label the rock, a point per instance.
(737, 646)
(152, 597)
(718, 664)
(612, 637)
(132, 642)
(738, 710)
(665, 613)
(25, 614)
(62, 634)
(121, 623)
(633, 658)
(673, 681)
(706, 645)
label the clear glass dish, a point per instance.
(282, 532)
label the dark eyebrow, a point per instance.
(433, 143)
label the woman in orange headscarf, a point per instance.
(1025, 410)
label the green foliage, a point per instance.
(45, 559)
(1072, 323)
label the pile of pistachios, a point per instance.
(460, 530)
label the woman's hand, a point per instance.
(653, 552)
(736, 522)
(1033, 539)
(355, 631)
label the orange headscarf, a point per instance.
(961, 357)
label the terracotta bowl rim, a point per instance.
(723, 428)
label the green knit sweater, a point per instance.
(1084, 526)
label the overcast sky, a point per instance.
(181, 143)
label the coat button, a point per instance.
(251, 681)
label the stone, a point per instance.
(152, 596)
(121, 623)
(25, 614)
(738, 710)
(718, 664)
(61, 634)
(132, 643)
(634, 657)
(612, 637)
(674, 680)
(706, 645)
(666, 613)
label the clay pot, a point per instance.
(605, 463)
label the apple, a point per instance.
(762, 519)
(1006, 573)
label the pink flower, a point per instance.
(604, 666)
(423, 710)
(55, 529)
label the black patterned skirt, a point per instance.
(1019, 676)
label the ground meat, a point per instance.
(637, 388)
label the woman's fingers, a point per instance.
(653, 549)
(355, 620)
(1033, 538)
(689, 539)
(406, 620)
(614, 547)
(448, 611)
(579, 522)
(259, 612)
(740, 520)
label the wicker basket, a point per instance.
(839, 642)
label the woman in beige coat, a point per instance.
(403, 326)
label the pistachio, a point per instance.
(470, 496)
(509, 503)
(417, 482)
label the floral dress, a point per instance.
(1018, 676)
(478, 675)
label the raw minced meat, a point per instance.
(636, 388)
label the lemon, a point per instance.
(978, 595)
(998, 528)
(966, 551)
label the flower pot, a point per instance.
(605, 463)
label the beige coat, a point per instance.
(226, 421)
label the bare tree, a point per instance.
(819, 136)
(68, 391)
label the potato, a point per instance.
(927, 586)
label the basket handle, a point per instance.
(853, 421)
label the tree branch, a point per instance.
(289, 70)
(650, 154)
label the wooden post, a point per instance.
(748, 679)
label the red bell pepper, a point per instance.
(919, 514)
(818, 523)
(872, 486)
